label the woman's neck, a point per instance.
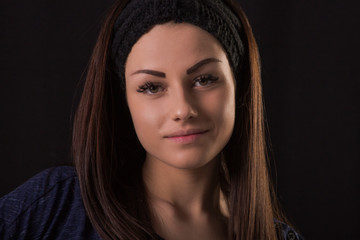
(184, 202)
(191, 190)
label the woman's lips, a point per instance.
(187, 136)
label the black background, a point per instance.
(310, 59)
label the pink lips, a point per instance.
(188, 136)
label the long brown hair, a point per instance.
(108, 156)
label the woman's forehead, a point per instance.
(174, 44)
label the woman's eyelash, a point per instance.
(206, 79)
(153, 88)
(148, 87)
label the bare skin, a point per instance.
(186, 205)
(180, 92)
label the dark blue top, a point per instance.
(49, 206)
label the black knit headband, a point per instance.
(139, 16)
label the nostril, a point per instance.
(183, 115)
(184, 105)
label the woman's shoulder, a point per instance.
(48, 182)
(47, 205)
(286, 231)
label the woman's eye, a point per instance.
(149, 88)
(205, 80)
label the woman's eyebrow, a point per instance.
(189, 71)
(200, 64)
(151, 72)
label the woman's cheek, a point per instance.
(220, 104)
(147, 120)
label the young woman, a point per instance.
(168, 138)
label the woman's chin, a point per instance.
(183, 161)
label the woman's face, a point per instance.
(181, 95)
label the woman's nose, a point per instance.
(183, 106)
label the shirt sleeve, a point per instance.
(287, 232)
(47, 206)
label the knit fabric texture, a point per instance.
(139, 16)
